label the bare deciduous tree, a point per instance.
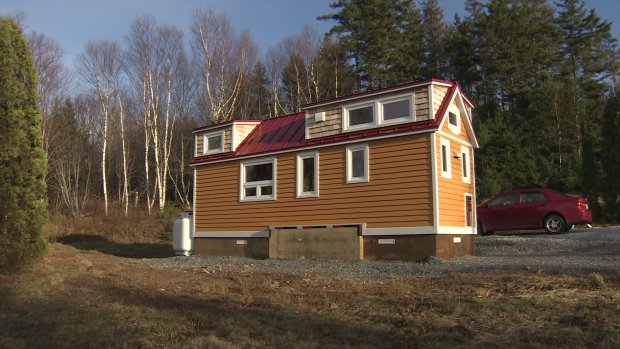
(156, 56)
(224, 59)
(101, 68)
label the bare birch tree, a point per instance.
(155, 54)
(224, 59)
(100, 67)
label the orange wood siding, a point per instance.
(399, 193)
(446, 124)
(452, 191)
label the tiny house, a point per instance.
(383, 174)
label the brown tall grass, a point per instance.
(137, 227)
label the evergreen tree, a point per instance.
(335, 73)
(22, 159)
(380, 36)
(435, 40)
(611, 159)
(586, 46)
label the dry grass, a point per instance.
(83, 297)
(137, 226)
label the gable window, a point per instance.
(446, 166)
(391, 110)
(213, 143)
(465, 165)
(357, 163)
(258, 180)
(454, 119)
(308, 175)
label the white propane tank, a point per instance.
(181, 234)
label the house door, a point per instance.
(469, 211)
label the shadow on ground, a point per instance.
(129, 250)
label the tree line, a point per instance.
(543, 76)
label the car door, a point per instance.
(501, 212)
(530, 209)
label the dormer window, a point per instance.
(361, 116)
(392, 110)
(213, 143)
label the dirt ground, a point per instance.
(103, 295)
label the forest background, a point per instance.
(543, 77)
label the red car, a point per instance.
(532, 209)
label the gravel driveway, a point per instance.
(581, 251)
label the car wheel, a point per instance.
(569, 227)
(554, 223)
(482, 232)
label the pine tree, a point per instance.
(379, 36)
(22, 159)
(435, 39)
(611, 159)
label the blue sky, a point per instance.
(75, 22)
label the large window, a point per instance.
(213, 143)
(386, 111)
(446, 166)
(465, 165)
(357, 163)
(308, 175)
(258, 180)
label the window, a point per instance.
(361, 116)
(465, 165)
(532, 197)
(357, 163)
(452, 119)
(446, 166)
(308, 175)
(213, 143)
(258, 180)
(375, 114)
(396, 110)
(503, 200)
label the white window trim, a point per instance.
(467, 162)
(445, 142)
(345, 116)
(349, 164)
(257, 185)
(456, 129)
(378, 120)
(411, 117)
(205, 143)
(300, 173)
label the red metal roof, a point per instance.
(275, 134)
(288, 133)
